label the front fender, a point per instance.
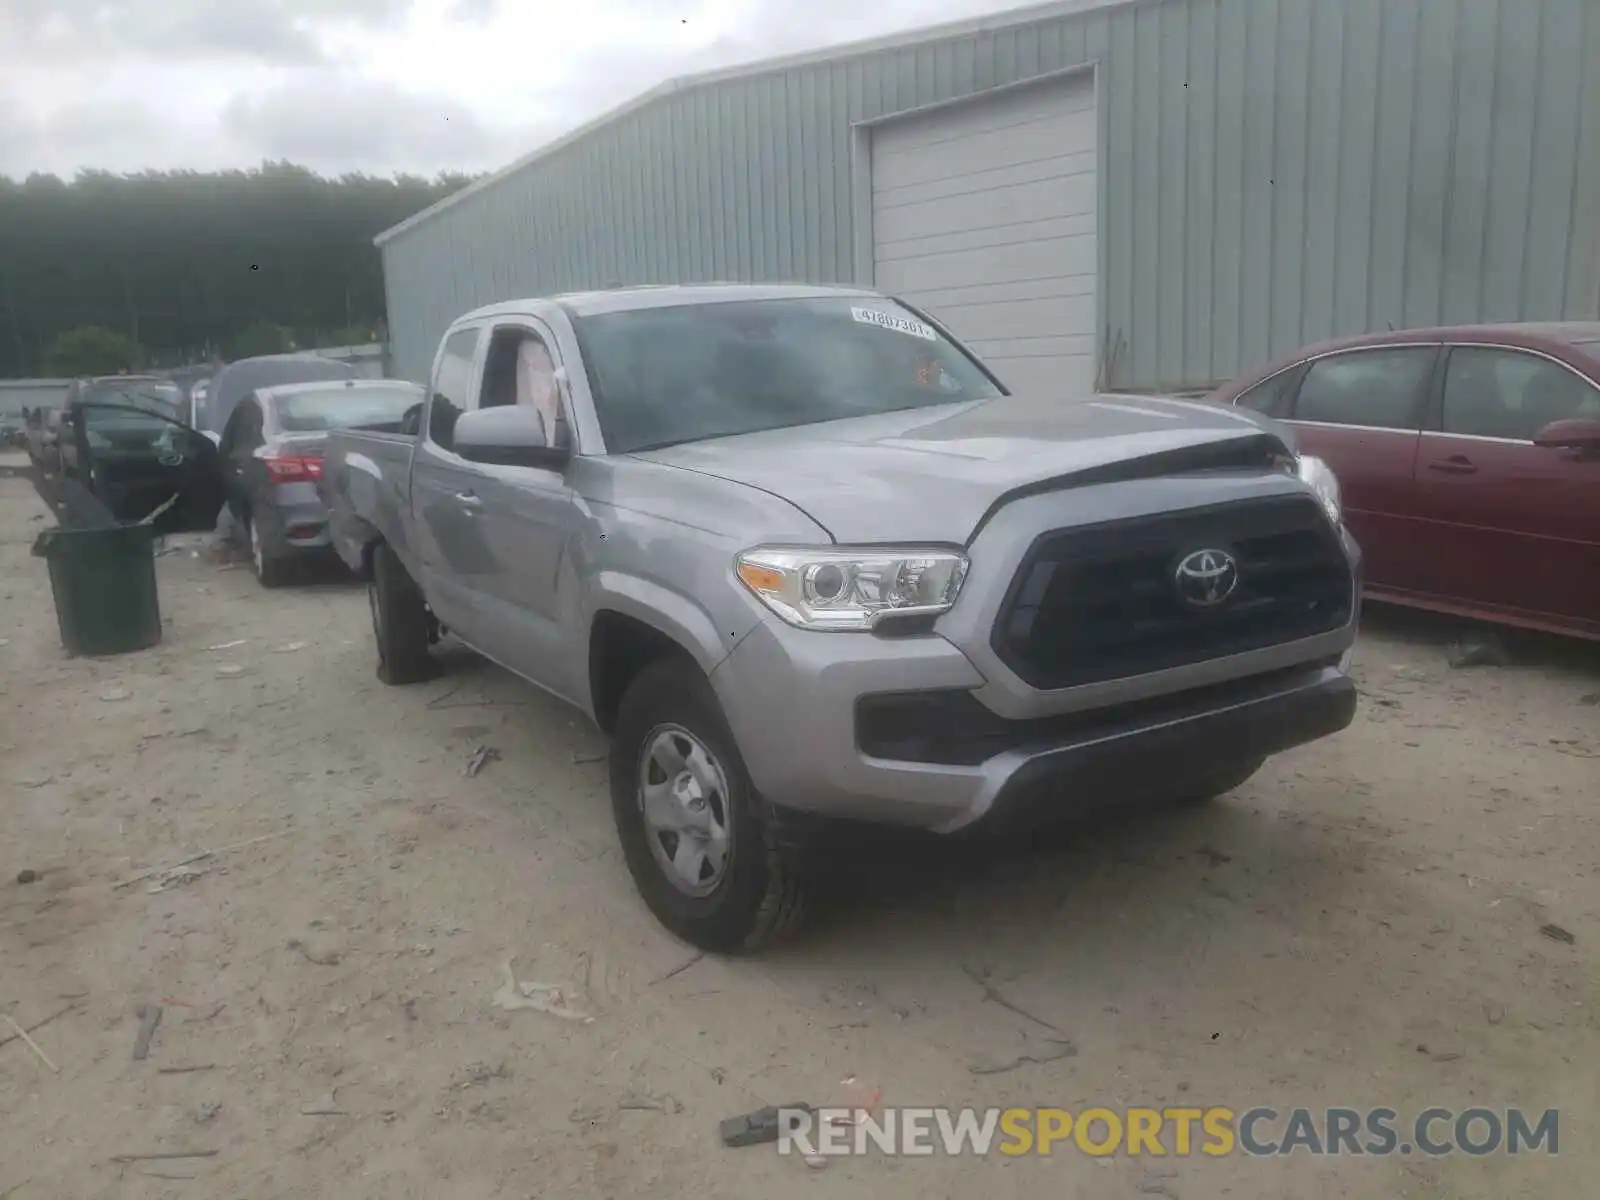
(678, 616)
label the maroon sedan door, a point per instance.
(1511, 527)
(1360, 411)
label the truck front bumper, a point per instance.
(889, 730)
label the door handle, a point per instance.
(1456, 464)
(468, 500)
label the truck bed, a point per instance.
(367, 472)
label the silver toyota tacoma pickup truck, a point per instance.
(803, 558)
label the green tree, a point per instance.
(92, 350)
(264, 337)
(186, 262)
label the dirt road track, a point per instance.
(1357, 926)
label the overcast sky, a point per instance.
(373, 85)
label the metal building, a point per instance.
(1151, 194)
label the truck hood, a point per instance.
(934, 474)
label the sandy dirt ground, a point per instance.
(1359, 925)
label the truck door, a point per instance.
(529, 513)
(449, 555)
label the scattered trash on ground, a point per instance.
(1046, 1051)
(1480, 650)
(289, 647)
(149, 1018)
(644, 1102)
(480, 757)
(163, 1155)
(680, 968)
(185, 1070)
(229, 645)
(596, 1114)
(22, 1033)
(755, 1128)
(207, 1113)
(176, 876)
(1557, 934)
(325, 1107)
(317, 956)
(38, 1025)
(549, 998)
(581, 759)
(861, 1099)
(994, 996)
(27, 875)
(112, 695)
(229, 670)
(204, 854)
(1592, 699)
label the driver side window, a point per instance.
(520, 370)
(452, 386)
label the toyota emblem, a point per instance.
(1206, 578)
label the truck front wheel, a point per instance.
(697, 838)
(399, 621)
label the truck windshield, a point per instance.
(682, 374)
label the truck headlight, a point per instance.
(851, 589)
(1319, 477)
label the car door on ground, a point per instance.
(528, 512)
(1511, 525)
(450, 552)
(1361, 411)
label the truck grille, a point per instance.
(1106, 601)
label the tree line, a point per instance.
(169, 267)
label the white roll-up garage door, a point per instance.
(983, 214)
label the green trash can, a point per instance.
(104, 583)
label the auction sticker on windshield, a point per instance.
(871, 316)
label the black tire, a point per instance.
(760, 897)
(400, 621)
(270, 572)
(1219, 785)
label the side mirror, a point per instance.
(509, 435)
(1574, 433)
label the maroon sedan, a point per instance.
(1468, 458)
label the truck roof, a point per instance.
(585, 304)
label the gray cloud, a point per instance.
(477, 11)
(272, 31)
(335, 124)
(125, 137)
(148, 83)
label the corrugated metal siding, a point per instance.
(1274, 172)
(17, 394)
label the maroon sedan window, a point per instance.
(1506, 394)
(1379, 389)
(1271, 397)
